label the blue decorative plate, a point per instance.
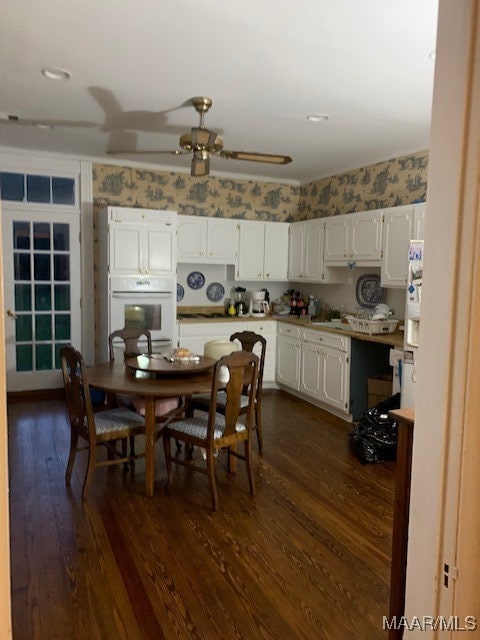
(369, 293)
(180, 292)
(195, 280)
(215, 292)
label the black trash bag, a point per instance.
(374, 438)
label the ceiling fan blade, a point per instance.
(145, 152)
(256, 157)
(45, 124)
(200, 166)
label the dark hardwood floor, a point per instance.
(307, 559)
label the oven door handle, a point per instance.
(137, 294)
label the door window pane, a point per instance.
(57, 347)
(41, 266)
(63, 190)
(61, 267)
(12, 186)
(41, 236)
(21, 266)
(62, 326)
(43, 327)
(62, 297)
(38, 189)
(24, 355)
(23, 328)
(43, 297)
(60, 237)
(21, 235)
(23, 297)
(43, 357)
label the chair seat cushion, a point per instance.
(117, 419)
(197, 427)
(203, 399)
(162, 407)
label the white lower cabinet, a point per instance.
(193, 336)
(316, 364)
(288, 355)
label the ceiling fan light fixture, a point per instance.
(318, 117)
(56, 73)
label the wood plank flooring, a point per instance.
(307, 559)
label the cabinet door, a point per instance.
(311, 370)
(288, 361)
(267, 329)
(276, 251)
(337, 240)
(222, 240)
(251, 250)
(366, 237)
(191, 239)
(419, 222)
(126, 252)
(397, 231)
(335, 379)
(313, 250)
(296, 251)
(159, 251)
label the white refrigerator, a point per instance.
(413, 304)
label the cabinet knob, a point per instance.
(259, 275)
(11, 314)
(144, 217)
(268, 275)
(201, 253)
(345, 255)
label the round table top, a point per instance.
(161, 366)
(116, 377)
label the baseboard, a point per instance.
(40, 394)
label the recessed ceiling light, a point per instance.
(55, 73)
(318, 117)
(42, 125)
(432, 54)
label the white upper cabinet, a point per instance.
(353, 239)
(400, 225)
(305, 256)
(419, 221)
(262, 251)
(141, 241)
(213, 240)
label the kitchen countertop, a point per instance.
(394, 339)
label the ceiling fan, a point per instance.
(203, 143)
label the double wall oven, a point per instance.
(148, 302)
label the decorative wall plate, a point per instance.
(215, 292)
(369, 293)
(195, 280)
(180, 292)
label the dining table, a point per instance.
(152, 378)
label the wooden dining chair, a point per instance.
(248, 341)
(131, 337)
(216, 431)
(102, 428)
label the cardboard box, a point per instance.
(379, 389)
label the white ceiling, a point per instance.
(266, 64)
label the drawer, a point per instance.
(287, 329)
(327, 339)
(263, 327)
(214, 329)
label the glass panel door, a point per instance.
(42, 295)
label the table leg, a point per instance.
(149, 445)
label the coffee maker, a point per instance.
(259, 307)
